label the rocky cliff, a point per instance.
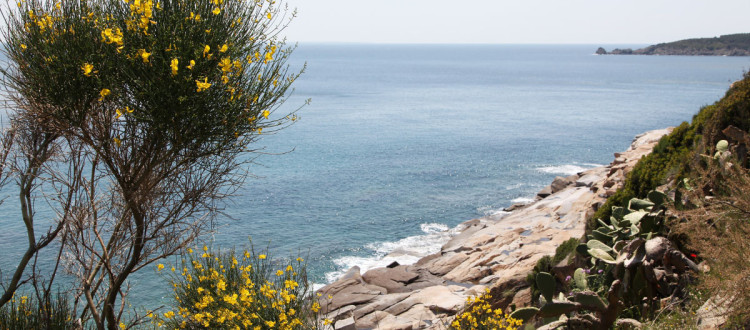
(489, 253)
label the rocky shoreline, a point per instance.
(489, 253)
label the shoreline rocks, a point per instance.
(488, 254)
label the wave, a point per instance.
(568, 169)
(523, 200)
(405, 251)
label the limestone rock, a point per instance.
(546, 191)
(561, 183)
(394, 280)
(345, 324)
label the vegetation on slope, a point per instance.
(701, 215)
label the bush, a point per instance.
(225, 291)
(28, 313)
(480, 315)
(140, 114)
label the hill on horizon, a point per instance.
(726, 45)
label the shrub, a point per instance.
(225, 291)
(28, 313)
(479, 315)
(141, 113)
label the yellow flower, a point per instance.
(23, 46)
(192, 64)
(104, 92)
(87, 68)
(202, 86)
(122, 325)
(189, 250)
(279, 272)
(169, 314)
(117, 141)
(119, 113)
(159, 267)
(144, 55)
(269, 15)
(205, 248)
(226, 64)
(269, 57)
(206, 50)
(266, 113)
(270, 324)
(262, 256)
(224, 48)
(216, 11)
(231, 299)
(174, 66)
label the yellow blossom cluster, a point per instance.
(480, 315)
(222, 291)
(141, 13)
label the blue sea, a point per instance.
(401, 143)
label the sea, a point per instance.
(401, 143)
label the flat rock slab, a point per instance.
(394, 280)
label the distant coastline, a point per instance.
(726, 45)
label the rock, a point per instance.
(446, 264)
(351, 289)
(714, 312)
(394, 280)
(522, 298)
(514, 207)
(561, 183)
(656, 248)
(345, 324)
(372, 320)
(341, 313)
(425, 279)
(352, 295)
(379, 304)
(588, 180)
(436, 298)
(601, 51)
(458, 242)
(546, 191)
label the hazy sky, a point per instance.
(519, 21)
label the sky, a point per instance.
(515, 22)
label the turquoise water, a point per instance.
(403, 142)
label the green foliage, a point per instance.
(28, 313)
(192, 74)
(564, 250)
(733, 44)
(673, 158)
(524, 314)
(223, 290)
(546, 284)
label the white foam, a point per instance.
(568, 169)
(405, 251)
(523, 200)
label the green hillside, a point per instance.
(727, 45)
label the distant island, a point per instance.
(727, 45)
